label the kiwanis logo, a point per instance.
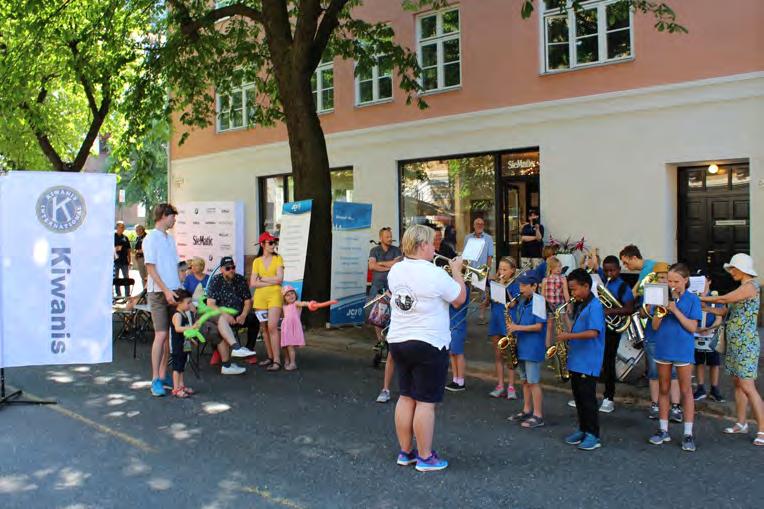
(61, 209)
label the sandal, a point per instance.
(759, 440)
(180, 393)
(520, 416)
(290, 367)
(188, 390)
(532, 422)
(265, 362)
(737, 429)
(274, 366)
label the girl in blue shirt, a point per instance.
(586, 347)
(675, 347)
(531, 339)
(497, 328)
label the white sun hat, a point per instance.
(743, 263)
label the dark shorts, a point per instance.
(160, 311)
(708, 358)
(177, 356)
(422, 370)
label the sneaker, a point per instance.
(589, 443)
(157, 388)
(654, 411)
(511, 392)
(384, 396)
(455, 387)
(676, 414)
(497, 392)
(215, 359)
(607, 406)
(688, 443)
(167, 381)
(716, 395)
(242, 351)
(572, 403)
(575, 438)
(407, 458)
(430, 464)
(700, 393)
(660, 437)
(233, 369)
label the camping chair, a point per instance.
(118, 282)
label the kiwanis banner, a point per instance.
(293, 241)
(211, 230)
(351, 231)
(56, 267)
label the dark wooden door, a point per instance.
(511, 218)
(713, 219)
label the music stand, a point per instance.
(14, 398)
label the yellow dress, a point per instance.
(269, 296)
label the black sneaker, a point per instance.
(455, 387)
(688, 443)
(676, 414)
(716, 395)
(700, 393)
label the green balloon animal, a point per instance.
(206, 313)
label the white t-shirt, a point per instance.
(421, 293)
(159, 249)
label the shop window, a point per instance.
(439, 50)
(601, 31)
(449, 192)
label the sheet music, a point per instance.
(473, 249)
(539, 306)
(656, 294)
(479, 283)
(498, 293)
(697, 285)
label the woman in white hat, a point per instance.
(743, 344)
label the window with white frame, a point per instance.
(237, 109)
(600, 32)
(438, 49)
(322, 83)
(375, 84)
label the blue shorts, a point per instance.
(652, 367)
(421, 369)
(529, 371)
(458, 338)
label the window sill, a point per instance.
(231, 130)
(374, 103)
(435, 91)
(324, 112)
(588, 66)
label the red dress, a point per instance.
(291, 327)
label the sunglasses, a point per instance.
(272, 242)
(229, 267)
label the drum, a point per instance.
(627, 359)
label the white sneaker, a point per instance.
(607, 406)
(511, 392)
(384, 396)
(572, 403)
(242, 351)
(233, 369)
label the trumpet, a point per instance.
(617, 323)
(468, 272)
(558, 352)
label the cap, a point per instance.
(743, 263)
(266, 236)
(528, 278)
(227, 260)
(701, 272)
(660, 267)
(286, 289)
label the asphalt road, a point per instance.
(316, 439)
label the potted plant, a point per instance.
(566, 250)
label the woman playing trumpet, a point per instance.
(497, 327)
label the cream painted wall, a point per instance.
(608, 162)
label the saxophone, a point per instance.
(558, 352)
(508, 344)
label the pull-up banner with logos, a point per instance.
(293, 241)
(211, 230)
(351, 231)
(56, 268)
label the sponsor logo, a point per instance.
(202, 240)
(195, 222)
(225, 222)
(210, 222)
(404, 298)
(223, 235)
(225, 211)
(211, 210)
(61, 209)
(225, 247)
(196, 211)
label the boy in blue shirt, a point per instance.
(611, 270)
(586, 347)
(531, 338)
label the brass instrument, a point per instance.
(636, 331)
(468, 272)
(558, 352)
(508, 344)
(616, 323)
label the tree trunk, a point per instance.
(310, 168)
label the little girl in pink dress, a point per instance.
(291, 327)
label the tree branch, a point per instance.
(82, 78)
(42, 138)
(307, 22)
(329, 22)
(95, 126)
(190, 26)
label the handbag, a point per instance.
(380, 313)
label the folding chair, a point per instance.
(122, 283)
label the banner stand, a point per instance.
(14, 397)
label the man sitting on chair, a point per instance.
(229, 289)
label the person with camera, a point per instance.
(531, 241)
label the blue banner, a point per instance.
(293, 242)
(351, 231)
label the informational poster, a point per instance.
(293, 242)
(351, 231)
(210, 230)
(56, 267)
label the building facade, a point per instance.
(615, 131)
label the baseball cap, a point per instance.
(266, 236)
(227, 260)
(528, 278)
(660, 267)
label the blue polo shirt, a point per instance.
(620, 290)
(541, 270)
(673, 342)
(585, 355)
(530, 345)
(497, 325)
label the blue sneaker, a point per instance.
(575, 438)
(589, 443)
(430, 464)
(660, 437)
(157, 389)
(407, 458)
(167, 381)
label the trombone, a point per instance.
(468, 272)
